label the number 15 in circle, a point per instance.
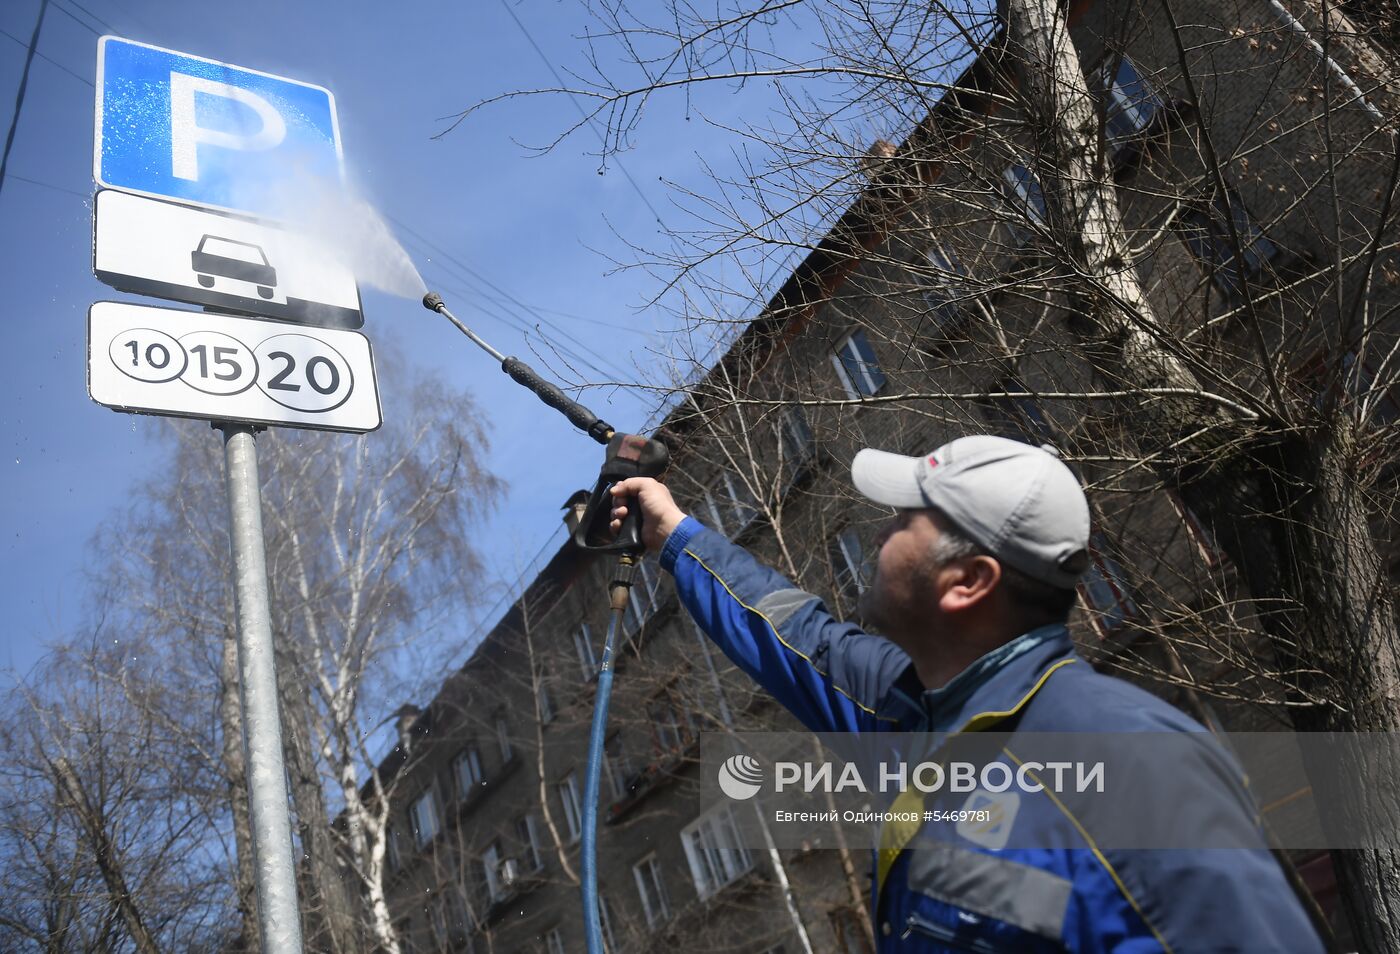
(303, 373)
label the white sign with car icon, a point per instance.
(149, 247)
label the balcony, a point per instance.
(655, 775)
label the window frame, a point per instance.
(849, 578)
(1122, 612)
(1203, 224)
(572, 802)
(1023, 191)
(428, 797)
(713, 866)
(796, 437)
(940, 293)
(1118, 102)
(527, 834)
(861, 361)
(652, 875)
(471, 756)
(545, 709)
(587, 656)
(503, 742)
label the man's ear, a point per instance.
(964, 584)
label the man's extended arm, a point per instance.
(829, 674)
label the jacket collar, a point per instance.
(996, 686)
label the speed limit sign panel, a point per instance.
(219, 367)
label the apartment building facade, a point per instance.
(1248, 158)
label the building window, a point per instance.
(1130, 104)
(1024, 193)
(605, 922)
(617, 767)
(712, 848)
(425, 818)
(945, 291)
(1106, 591)
(857, 366)
(569, 799)
(393, 849)
(527, 833)
(799, 444)
(583, 645)
(1206, 229)
(730, 503)
(437, 920)
(503, 739)
(671, 726)
(491, 866)
(848, 568)
(459, 920)
(652, 889)
(544, 703)
(642, 598)
(466, 768)
(554, 942)
(1018, 418)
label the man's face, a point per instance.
(904, 592)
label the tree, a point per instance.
(110, 807)
(1182, 268)
(370, 554)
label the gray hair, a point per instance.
(1038, 603)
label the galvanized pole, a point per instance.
(278, 917)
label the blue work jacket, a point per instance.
(958, 895)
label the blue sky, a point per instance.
(539, 230)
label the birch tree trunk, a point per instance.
(1278, 498)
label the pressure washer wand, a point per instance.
(578, 415)
(628, 455)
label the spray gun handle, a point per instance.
(578, 415)
(628, 455)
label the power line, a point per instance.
(74, 17)
(50, 59)
(592, 123)
(19, 97)
(50, 185)
(472, 275)
(105, 25)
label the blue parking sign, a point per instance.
(182, 127)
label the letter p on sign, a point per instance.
(181, 127)
(186, 133)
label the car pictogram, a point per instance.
(229, 258)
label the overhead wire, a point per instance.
(467, 273)
(105, 25)
(49, 59)
(74, 17)
(563, 345)
(592, 123)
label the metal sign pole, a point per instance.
(278, 916)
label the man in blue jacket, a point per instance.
(974, 582)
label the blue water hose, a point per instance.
(588, 861)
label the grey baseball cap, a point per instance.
(1018, 502)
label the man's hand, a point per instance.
(660, 515)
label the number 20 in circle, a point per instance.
(303, 373)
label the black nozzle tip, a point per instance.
(433, 301)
